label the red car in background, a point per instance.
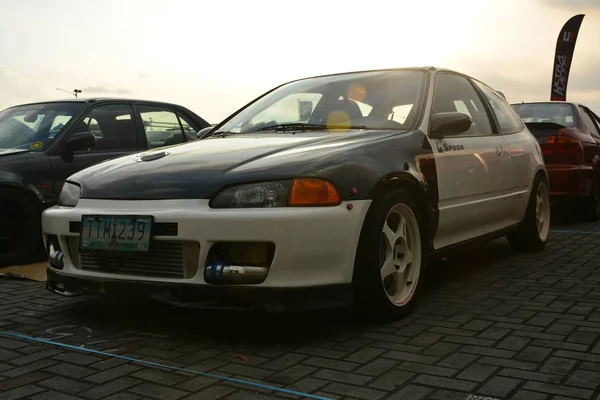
(569, 135)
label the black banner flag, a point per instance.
(565, 46)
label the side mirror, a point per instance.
(204, 131)
(79, 141)
(448, 124)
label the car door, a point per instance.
(117, 134)
(163, 126)
(593, 128)
(596, 120)
(520, 146)
(473, 168)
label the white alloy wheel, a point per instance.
(400, 254)
(533, 232)
(542, 211)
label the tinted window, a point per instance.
(188, 128)
(296, 107)
(34, 127)
(595, 117)
(454, 93)
(364, 99)
(161, 126)
(587, 120)
(113, 127)
(558, 113)
(400, 113)
(508, 120)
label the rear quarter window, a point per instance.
(508, 120)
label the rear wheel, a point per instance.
(389, 258)
(20, 231)
(533, 233)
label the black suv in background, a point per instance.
(41, 144)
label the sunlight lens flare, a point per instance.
(339, 120)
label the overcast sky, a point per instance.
(214, 57)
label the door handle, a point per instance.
(500, 151)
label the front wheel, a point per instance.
(20, 231)
(390, 257)
(533, 233)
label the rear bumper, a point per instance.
(571, 180)
(207, 297)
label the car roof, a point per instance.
(419, 68)
(548, 102)
(96, 100)
(416, 68)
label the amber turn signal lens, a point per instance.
(313, 192)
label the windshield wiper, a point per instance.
(221, 133)
(306, 127)
(295, 126)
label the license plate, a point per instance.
(115, 232)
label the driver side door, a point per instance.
(473, 168)
(117, 134)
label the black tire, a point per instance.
(591, 206)
(527, 237)
(20, 229)
(371, 298)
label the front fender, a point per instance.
(359, 170)
(402, 160)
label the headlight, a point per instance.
(69, 195)
(266, 194)
(298, 192)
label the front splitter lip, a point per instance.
(212, 297)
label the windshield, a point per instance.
(371, 100)
(558, 113)
(34, 126)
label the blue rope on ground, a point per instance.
(72, 347)
(577, 232)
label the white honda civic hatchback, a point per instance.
(324, 191)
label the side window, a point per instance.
(161, 126)
(113, 127)
(589, 123)
(455, 93)
(59, 122)
(596, 118)
(462, 107)
(188, 129)
(508, 120)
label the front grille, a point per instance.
(158, 228)
(165, 259)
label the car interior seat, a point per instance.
(341, 112)
(175, 139)
(81, 127)
(118, 134)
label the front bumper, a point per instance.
(313, 247)
(250, 298)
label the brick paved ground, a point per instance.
(490, 323)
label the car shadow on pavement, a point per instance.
(262, 329)
(148, 318)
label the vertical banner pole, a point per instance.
(563, 57)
